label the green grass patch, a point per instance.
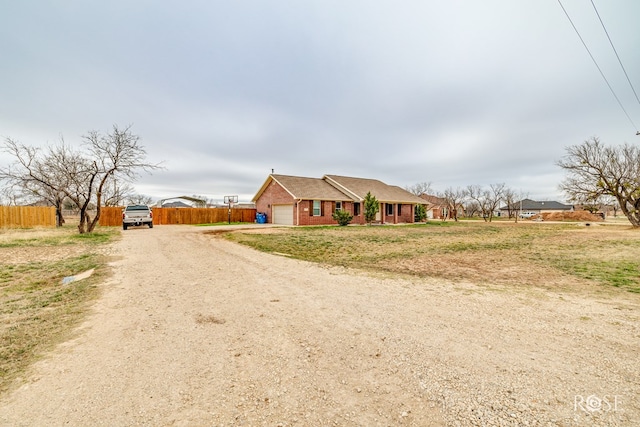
(624, 273)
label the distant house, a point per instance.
(436, 206)
(532, 207)
(296, 200)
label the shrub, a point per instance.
(343, 217)
(371, 207)
(421, 213)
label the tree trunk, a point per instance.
(83, 220)
(94, 222)
(59, 217)
(633, 217)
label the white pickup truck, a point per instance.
(137, 215)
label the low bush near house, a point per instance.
(343, 217)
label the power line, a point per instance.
(597, 66)
(616, 52)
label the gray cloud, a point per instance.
(455, 93)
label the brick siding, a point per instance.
(274, 194)
(306, 210)
(406, 216)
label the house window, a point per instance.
(389, 209)
(317, 208)
(356, 209)
(338, 206)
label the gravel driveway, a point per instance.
(193, 330)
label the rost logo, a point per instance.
(593, 403)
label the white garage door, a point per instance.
(283, 214)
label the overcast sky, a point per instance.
(448, 92)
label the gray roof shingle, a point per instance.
(359, 187)
(340, 188)
(532, 205)
(310, 188)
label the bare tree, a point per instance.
(511, 201)
(595, 170)
(8, 196)
(592, 207)
(77, 176)
(480, 197)
(494, 196)
(610, 203)
(82, 176)
(116, 193)
(487, 199)
(32, 177)
(475, 195)
(116, 155)
(453, 198)
(471, 208)
(603, 205)
(139, 199)
(420, 188)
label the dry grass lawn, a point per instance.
(559, 256)
(36, 309)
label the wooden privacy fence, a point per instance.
(27, 216)
(112, 216)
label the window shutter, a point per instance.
(321, 207)
(333, 207)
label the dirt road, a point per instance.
(193, 330)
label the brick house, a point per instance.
(295, 200)
(436, 206)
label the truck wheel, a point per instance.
(150, 225)
(124, 226)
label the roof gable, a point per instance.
(303, 188)
(339, 188)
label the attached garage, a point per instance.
(282, 214)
